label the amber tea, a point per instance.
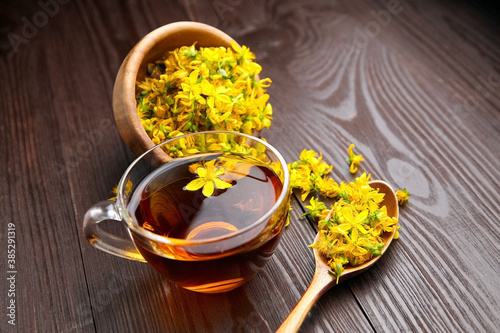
(206, 201)
(208, 218)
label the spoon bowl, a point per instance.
(323, 280)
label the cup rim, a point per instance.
(133, 226)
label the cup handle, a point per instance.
(104, 241)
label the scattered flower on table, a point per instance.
(354, 160)
(403, 196)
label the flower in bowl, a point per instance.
(187, 77)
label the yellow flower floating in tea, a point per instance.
(220, 173)
(208, 178)
(210, 88)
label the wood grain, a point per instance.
(414, 85)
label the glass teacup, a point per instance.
(206, 210)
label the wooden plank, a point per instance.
(50, 281)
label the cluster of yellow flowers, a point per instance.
(211, 88)
(352, 233)
(213, 142)
(232, 146)
(351, 230)
(309, 174)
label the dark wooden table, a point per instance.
(414, 84)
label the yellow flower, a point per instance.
(216, 117)
(208, 179)
(194, 88)
(206, 88)
(307, 174)
(315, 208)
(327, 187)
(214, 93)
(309, 157)
(396, 235)
(403, 196)
(354, 159)
(354, 221)
(243, 52)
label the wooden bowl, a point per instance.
(134, 68)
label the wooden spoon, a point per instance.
(322, 280)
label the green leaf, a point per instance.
(222, 72)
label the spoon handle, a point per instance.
(319, 284)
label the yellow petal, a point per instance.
(221, 184)
(361, 216)
(208, 189)
(340, 230)
(347, 213)
(396, 234)
(223, 98)
(235, 46)
(225, 115)
(360, 228)
(193, 77)
(207, 88)
(195, 184)
(353, 168)
(202, 172)
(210, 102)
(372, 206)
(354, 235)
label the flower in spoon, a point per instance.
(352, 232)
(323, 279)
